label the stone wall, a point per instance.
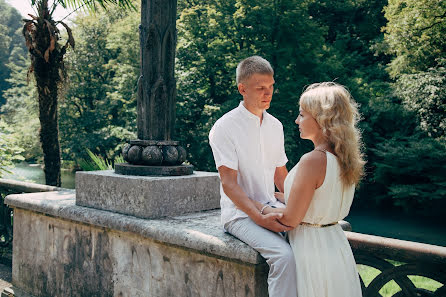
(70, 255)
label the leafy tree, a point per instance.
(99, 109)
(425, 93)
(10, 42)
(47, 64)
(20, 112)
(415, 34)
(8, 153)
(419, 188)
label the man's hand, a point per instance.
(271, 222)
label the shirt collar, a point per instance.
(245, 112)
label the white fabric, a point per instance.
(276, 251)
(324, 259)
(240, 142)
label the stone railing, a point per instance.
(9, 186)
(399, 260)
(394, 260)
(15, 186)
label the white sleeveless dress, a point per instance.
(324, 259)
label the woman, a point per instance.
(319, 192)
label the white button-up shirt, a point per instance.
(240, 142)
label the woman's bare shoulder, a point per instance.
(312, 167)
(314, 158)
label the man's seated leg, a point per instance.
(275, 249)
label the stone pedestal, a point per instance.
(148, 196)
(61, 249)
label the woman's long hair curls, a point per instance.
(334, 109)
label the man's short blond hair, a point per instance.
(250, 66)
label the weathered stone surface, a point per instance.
(125, 151)
(182, 154)
(170, 154)
(134, 154)
(78, 251)
(152, 155)
(148, 196)
(197, 231)
(157, 86)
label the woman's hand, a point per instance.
(279, 196)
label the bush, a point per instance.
(413, 171)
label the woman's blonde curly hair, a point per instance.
(334, 109)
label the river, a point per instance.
(34, 173)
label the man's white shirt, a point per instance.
(240, 142)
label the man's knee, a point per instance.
(287, 256)
(283, 255)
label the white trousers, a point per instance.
(276, 251)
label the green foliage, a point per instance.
(425, 93)
(421, 186)
(20, 112)
(415, 34)
(99, 108)
(11, 43)
(8, 152)
(98, 163)
(94, 5)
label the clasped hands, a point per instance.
(271, 216)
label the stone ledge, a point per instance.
(198, 231)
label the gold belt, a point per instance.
(318, 225)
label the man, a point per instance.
(248, 148)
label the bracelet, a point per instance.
(263, 208)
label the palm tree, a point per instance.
(42, 37)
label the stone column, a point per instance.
(157, 89)
(155, 152)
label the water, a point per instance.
(34, 173)
(398, 225)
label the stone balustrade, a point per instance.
(63, 249)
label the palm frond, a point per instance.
(92, 5)
(70, 40)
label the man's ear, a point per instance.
(241, 89)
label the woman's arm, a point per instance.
(309, 176)
(233, 190)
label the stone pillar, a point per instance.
(155, 152)
(157, 89)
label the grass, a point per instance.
(369, 273)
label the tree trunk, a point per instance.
(47, 78)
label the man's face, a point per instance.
(257, 92)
